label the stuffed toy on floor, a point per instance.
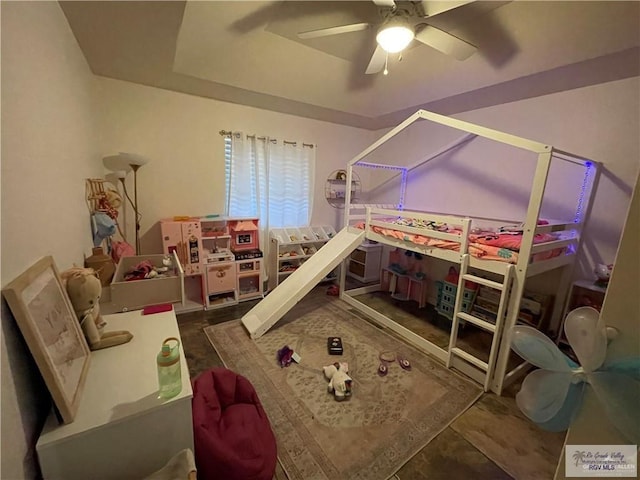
(339, 381)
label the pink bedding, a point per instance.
(501, 247)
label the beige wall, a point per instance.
(54, 136)
(185, 177)
(599, 122)
(48, 149)
(179, 133)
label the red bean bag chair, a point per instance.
(233, 439)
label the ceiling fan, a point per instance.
(402, 23)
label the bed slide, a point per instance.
(279, 301)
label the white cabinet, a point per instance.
(122, 429)
(291, 247)
(364, 262)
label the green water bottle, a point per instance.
(169, 370)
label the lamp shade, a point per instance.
(395, 35)
(123, 161)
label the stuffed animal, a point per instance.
(603, 273)
(339, 381)
(84, 290)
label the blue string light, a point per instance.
(403, 188)
(377, 165)
(583, 189)
(403, 182)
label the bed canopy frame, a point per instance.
(507, 278)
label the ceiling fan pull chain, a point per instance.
(386, 60)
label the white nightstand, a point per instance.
(122, 430)
(364, 262)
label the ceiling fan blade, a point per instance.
(377, 61)
(432, 8)
(325, 32)
(445, 42)
(385, 3)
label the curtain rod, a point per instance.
(226, 133)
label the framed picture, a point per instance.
(52, 332)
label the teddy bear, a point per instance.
(339, 381)
(84, 289)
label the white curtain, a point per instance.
(291, 180)
(247, 164)
(269, 179)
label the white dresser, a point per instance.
(122, 430)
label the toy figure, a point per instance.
(84, 290)
(339, 381)
(285, 356)
(603, 273)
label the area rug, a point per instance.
(370, 436)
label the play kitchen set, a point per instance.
(220, 256)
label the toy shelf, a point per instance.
(292, 246)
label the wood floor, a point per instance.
(491, 440)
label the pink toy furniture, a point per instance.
(244, 234)
(404, 279)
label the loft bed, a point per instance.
(496, 253)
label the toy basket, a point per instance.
(447, 290)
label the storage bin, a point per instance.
(306, 234)
(293, 235)
(319, 233)
(137, 294)
(280, 235)
(445, 310)
(309, 249)
(359, 255)
(290, 251)
(468, 295)
(446, 299)
(357, 268)
(329, 231)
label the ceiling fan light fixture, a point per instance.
(395, 35)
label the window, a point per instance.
(269, 179)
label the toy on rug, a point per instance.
(389, 357)
(84, 289)
(333, 290)
(334, 346)
(339, 382)
(284, 356)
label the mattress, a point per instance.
(501, 246)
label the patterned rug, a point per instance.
(386, 421)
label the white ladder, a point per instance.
(494, 329)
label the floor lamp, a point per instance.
(121, 164)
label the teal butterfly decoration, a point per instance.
(552, 395)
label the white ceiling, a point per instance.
(248, 53)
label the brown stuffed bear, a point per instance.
(84, 290)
